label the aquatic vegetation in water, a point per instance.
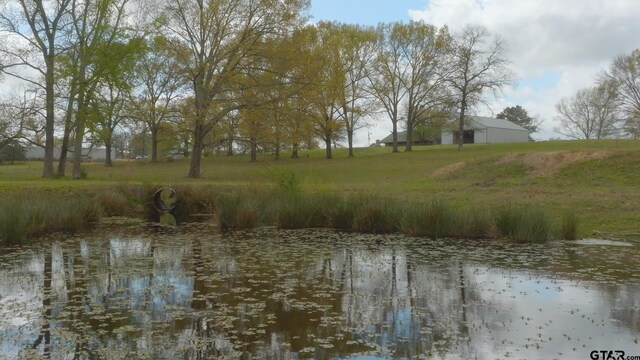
(267, 293)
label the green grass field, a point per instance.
(597, 180)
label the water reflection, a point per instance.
(195, 294)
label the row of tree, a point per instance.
(610, 108)
(214, 72)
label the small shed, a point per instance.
(486, 130)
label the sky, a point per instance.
(556, 47)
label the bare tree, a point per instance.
(477, 64)
(386, 76)
(591, 113)
(624, 73)
(12, 123)
(35, 25)
(108, 112)
(156, 87)
(423, 50)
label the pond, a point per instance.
(130, 292)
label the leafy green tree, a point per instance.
(519, 116)
(105, 52)
(12, 151)
(219, 44)
(355, 48)
(107, 113)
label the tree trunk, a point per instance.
(294, 151)
(64, 149)
(77, 151)
(327, 141)
(154, 144)
(200, 131)
(47, 170)
(254, 150)
(107, 145)
(79, 135)
(463, 109)
(350, 141)
(196, 153)
(409, 146)
(395, 135)
(230, 147)
(276, 156)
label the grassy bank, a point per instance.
(593, 181)
(283, 206)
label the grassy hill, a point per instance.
(597, 180)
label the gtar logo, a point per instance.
(607, 355)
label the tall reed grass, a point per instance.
(285, 206)
(237, 211)
(522, 224)
(25, 216)
(569, 226)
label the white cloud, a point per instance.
(574, 39)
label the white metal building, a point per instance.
(94, 154)
(485, 130)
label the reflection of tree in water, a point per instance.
(282, 296)
(406, 306)
(624, 303)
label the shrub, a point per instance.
(286, 181)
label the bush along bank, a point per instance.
(23, 217)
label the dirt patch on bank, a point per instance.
(549, 163)
(446, 170)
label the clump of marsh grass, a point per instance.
(300, 212)
(340, 213)
(194, 200)
(21, 217)
(569, 226)
(434, 219)
(522, 224)
(236, 212)
(376, 215)
(115, 202)
(474, 224)
(13, 224)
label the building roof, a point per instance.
(417, 138)
(402, 137)
(481, 122)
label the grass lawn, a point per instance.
(599, 181)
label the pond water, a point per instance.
(192, 293)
